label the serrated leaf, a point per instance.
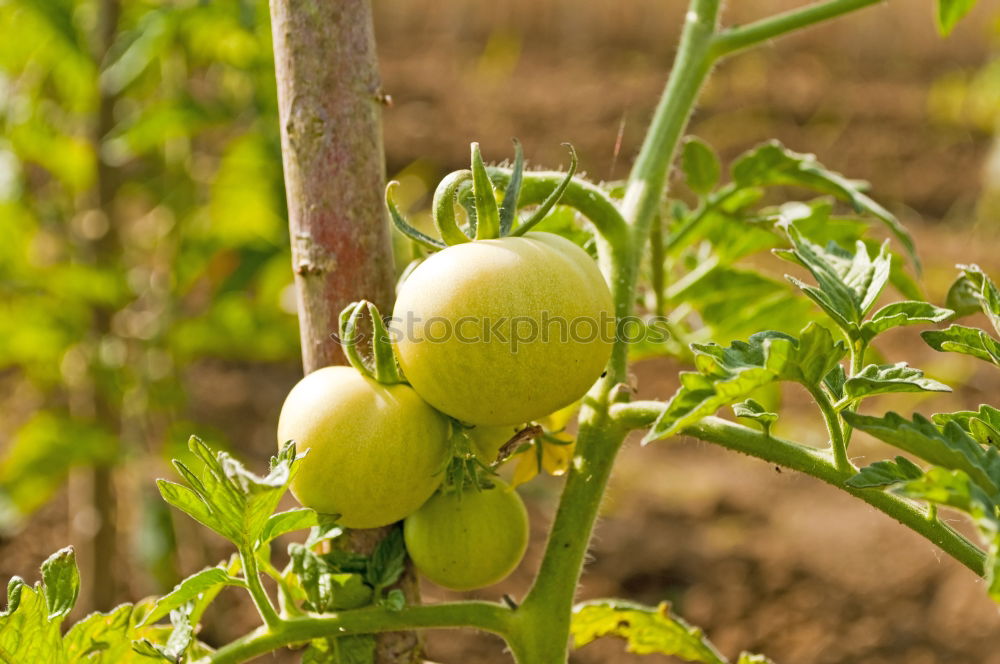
(753, 410)
(278, 524)
(834, 382)
(897, 314)
(190, 589)
(394, 600)
(950, 12)
(848, 284)
(645, 630)
(813, 357)
(98, 635)
(885, 378)
(181, 638)
(388, 561)
(964, 340)
(956, 489)
(981, 290)
(27, 634)
(962, 297)
(983, 425)
(950, 447)
(700, 165)
(14, 588)
(227, 497)
(885, 473)
(354, 649)
(325, 529)
(772, 164)
(327, 586)
(730, 374)
(61, 581)
(734, 303)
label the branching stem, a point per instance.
(811, 461)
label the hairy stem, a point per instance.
(838, 443)
(486, 616)
(257, 592)
(817, 463)
(694, 60)
(738, 38)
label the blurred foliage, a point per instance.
(129, 255)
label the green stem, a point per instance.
(678, 239)
(543, 620)
(817, 463)
(838, 443)
(691, 68)
(742, 37)
(257, 592)
(657, 277)
(487, 616)
(859, 349)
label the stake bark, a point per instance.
(329, 104)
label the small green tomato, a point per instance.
(468, 540)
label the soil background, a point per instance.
(765, 561)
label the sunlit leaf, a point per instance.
(645, 630)
(884, 378)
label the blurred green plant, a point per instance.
(143, 210)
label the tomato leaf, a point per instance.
(956, 489)
(950, 12)
(884, 378)
(834, 381)
(180, 638)
(772, 164)
(847, 284)
(646, 630)
(227, 497)
(353, 649)
(61, 582)
(975, 290)
(752, 410)
(730, 374)
(983, 425)
(964, 340)
(950, 447)
(885, 473)
(191, 588)
(902, 313)
(700, 165)
(27, 634)
(387, 561)
(328, 585)
(278, 524)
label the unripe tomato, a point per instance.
(469, 540)
(500, 332)
(487, 441)
(375, 451)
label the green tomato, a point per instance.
(375, 451)
(469, 540)
(500, 332)
(487, 441)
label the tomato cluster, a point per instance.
(496, 332)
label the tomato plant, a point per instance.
(334, 601)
